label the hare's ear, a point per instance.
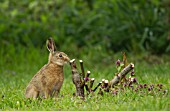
(51, 45)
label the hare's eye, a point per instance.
(60, 55)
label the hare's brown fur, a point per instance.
(49, 79)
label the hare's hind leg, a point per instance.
(31, 92)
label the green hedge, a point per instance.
(134, 25)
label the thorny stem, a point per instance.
(121, 75)
(80, 84)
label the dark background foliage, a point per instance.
(109, 25)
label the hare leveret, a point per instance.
(49, 79)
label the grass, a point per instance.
(17, 72)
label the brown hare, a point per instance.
(48, 80)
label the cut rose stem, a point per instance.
(88, 73)
(91, 82)
(121, 75)
(97, 86)
(124, 59)
(87, 89)
(106, 85)
(85, 81)
(82, 68)
(76, 78)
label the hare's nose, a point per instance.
(66, 59)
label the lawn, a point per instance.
(17, 71)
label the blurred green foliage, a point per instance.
(105, 25)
